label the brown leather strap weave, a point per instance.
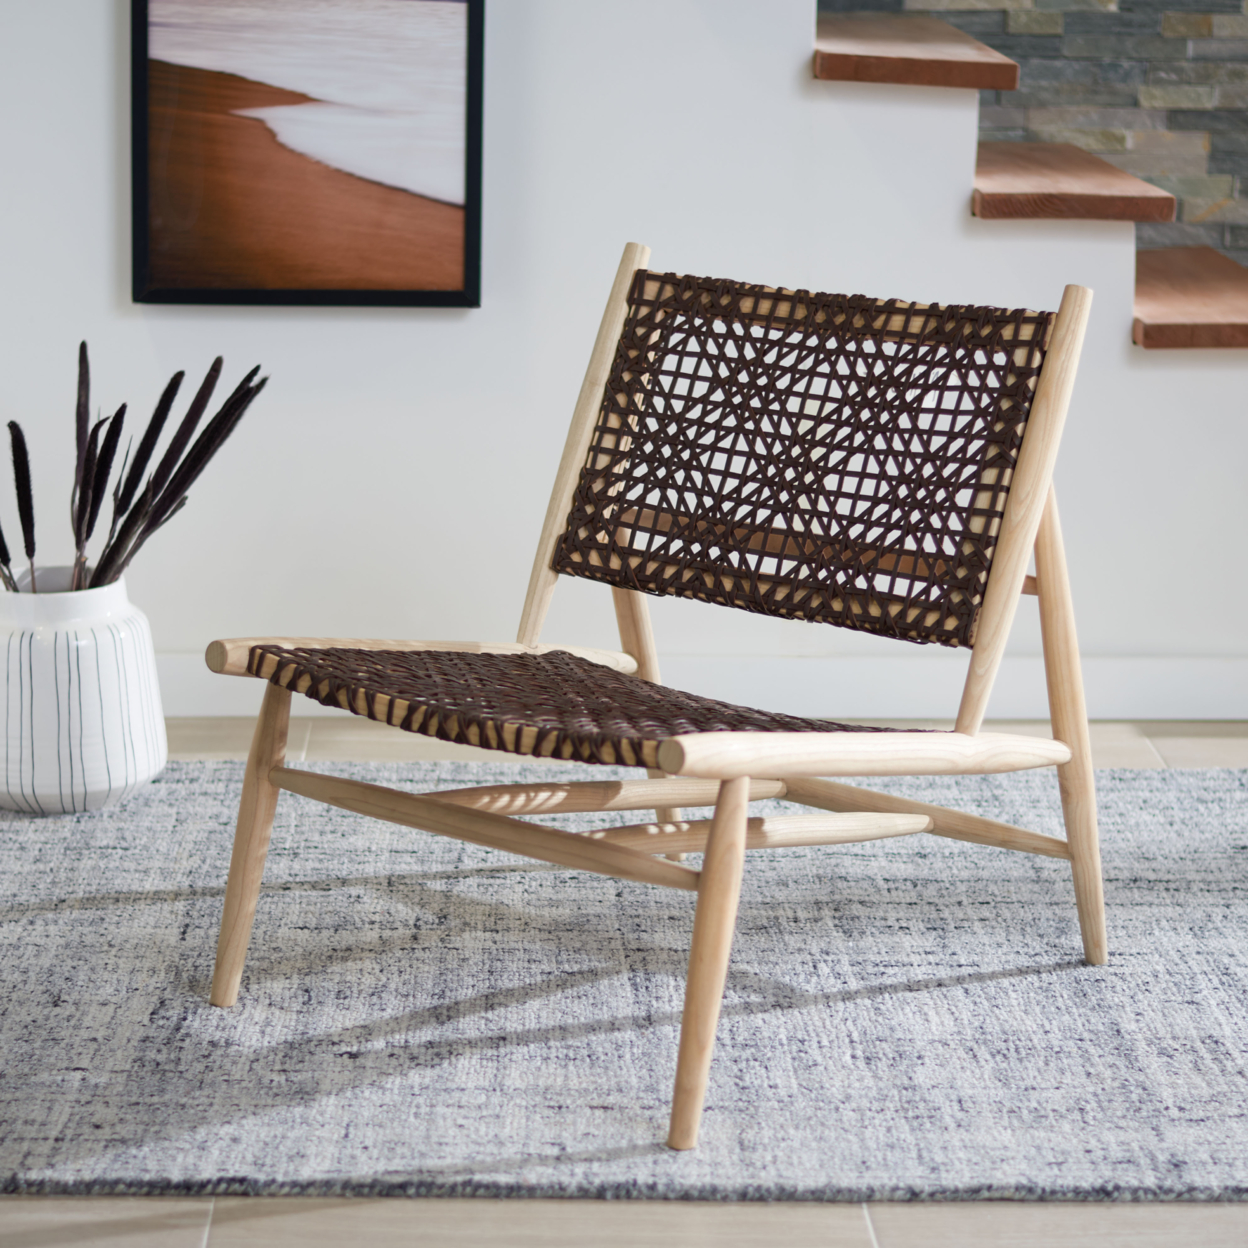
(552, 705)
(813, 456)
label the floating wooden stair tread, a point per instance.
(1190, 297)
(905, 48)
(1049, 180)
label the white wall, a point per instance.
(400, 456)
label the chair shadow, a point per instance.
(106, 901)
(362, 1055)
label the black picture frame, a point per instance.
(147, 284)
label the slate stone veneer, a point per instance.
(1157, 87)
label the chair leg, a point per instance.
(718, 892)
(251, 843)
(1079, 809)
(1068, 711)
(666, 814)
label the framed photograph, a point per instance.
(307, 151)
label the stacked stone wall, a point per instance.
(1157, 87)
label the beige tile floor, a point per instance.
(32, 1222)
(260, 1222)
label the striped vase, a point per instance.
(83, 723)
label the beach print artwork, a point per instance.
(307, 151)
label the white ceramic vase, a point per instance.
(83, 722)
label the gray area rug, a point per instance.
(904, 1019)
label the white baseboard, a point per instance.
(925, 686)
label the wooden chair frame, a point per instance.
(728, 770)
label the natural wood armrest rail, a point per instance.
(728, 755)
(229, 656)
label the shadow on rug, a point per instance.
(903, 1019)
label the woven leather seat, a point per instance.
(869, 464)
(548, 705)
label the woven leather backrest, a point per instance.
(811, 456)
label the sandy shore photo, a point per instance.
(307, 151)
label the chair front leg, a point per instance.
(251, 843)
(1079, 808)
(714, 921)
(1068, 710)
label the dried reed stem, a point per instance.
(25, 498)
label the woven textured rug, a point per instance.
(903, 1019)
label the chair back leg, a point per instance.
(584, 417)
(1069, 716)
(251, 843)
(718, 893)
(632, 614)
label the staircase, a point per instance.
(1184, 296)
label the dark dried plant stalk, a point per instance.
(82, 420)
(140, 508)
(96, 467)
(6, 572)
(128, 483)
(156, 506)
(25, 497)
(165, 492)
(186, 429)
(104, 467)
